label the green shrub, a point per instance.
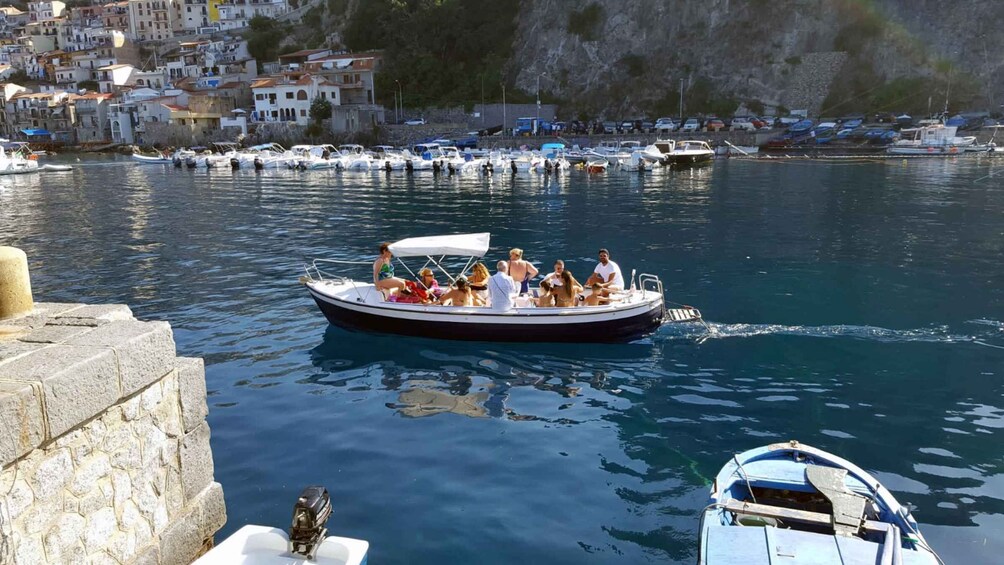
(585, 22)
(634, 65)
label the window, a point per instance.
(259, 96)
(289, 95)
(303, 113)
(301, 95)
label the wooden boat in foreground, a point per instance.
(356, 304)
(791, 503)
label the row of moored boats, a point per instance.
(435, 157)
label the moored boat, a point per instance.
(356, 304)
(689, 153)
(150, 160)
(797, 504)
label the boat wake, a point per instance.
(990, 331)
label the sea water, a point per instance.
(854, 306)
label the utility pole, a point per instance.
(681, 101)
(400, 95)
(503, 111)
(397, 118)
(482, 100)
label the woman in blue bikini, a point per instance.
(383, 271)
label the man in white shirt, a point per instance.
(501, 288)
(607, 274)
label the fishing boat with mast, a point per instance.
(358, 304)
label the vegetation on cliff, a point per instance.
(441, 52)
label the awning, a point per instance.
(463, 244)
(30, 132)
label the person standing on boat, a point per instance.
(520, 270)
(383, 272)
(501, 288)
(607, 274)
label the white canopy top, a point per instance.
(463, 244)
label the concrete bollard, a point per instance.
(15, 285)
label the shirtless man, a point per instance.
(521, 271)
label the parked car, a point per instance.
(609, 127)
(647, 127)
(742, 123)
(627, 126)
(415, 122)
(666, 125)
(714, 124)
(691, 125)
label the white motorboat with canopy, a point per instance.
(358, 304)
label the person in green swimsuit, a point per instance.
(383, 271)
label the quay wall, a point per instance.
(104, 444)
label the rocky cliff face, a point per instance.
(623, 56)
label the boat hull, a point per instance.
(510, 326)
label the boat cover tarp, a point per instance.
(30, 132)
(462, 244)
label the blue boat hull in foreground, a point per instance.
(791, 503)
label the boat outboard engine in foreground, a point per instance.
(408, 166)
(258, 164)
(177, 162)
(235, 163)
(190, 162)
(310, 518)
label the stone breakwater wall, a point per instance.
(104, 445)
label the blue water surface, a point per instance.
(857, 307)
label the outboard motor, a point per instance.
(190, 162)
(436, 167)
(258, 164)
(209, 164)
(512, 165)
(386, 165)
(177, 162)
(451, 168)
(235, 163)
(409, 167)
(548, 167)
(557, 166)
(491, 168)
(310, 518)
(326, 155)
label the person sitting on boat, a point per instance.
(520, 270)
(383, 273)
(567, 294)
(479, 281)
(428, 280)
(555, 277)
(547, 295)
(460, 296)
(607, 273)
(501, 288)
(596, 297)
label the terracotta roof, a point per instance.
(175, 108)
(231, 84)
(113, 67)
(303, 53)
(92, 96)
(263, 83)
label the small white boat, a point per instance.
(16, 163)
(597, 165)
(358, 304)
(934, 139)
(306, 543)
(148, 160)
(791, 503)
(56, 168)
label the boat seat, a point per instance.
(848, 508)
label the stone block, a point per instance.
(192, 387)
(17, 500)
(62, 540)
(100, 526)
(28, 550)
(145, 350)
(181, 541)
(11, 349)
(106, 312)
(53, 473)
(132, 519)
(77, 382)
(196, 461)
(54, 334)
(22, 418)
(150, 555)
(212, 510)
(53, 309)
(86, 477)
